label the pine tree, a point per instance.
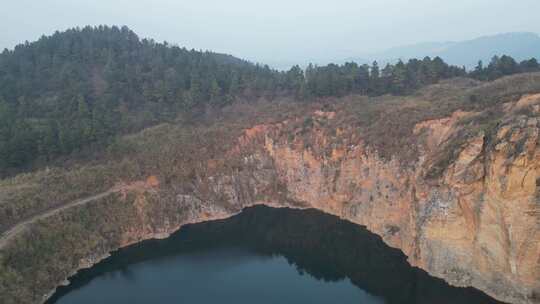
(374, 79)
(84, 121)
(215, 93)
(399, 78)
(479, 72)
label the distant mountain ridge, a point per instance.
(519, 45)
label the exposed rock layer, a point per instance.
(474, 222)
(466, 209)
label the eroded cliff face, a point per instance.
(465, 210)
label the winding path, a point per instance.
(19, 227)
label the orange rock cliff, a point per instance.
(471, 218)
(462, 204)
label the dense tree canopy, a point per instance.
(503, 66)
(400, 78)
(81, 86)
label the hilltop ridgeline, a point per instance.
(82, 87)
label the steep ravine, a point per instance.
(465, 209)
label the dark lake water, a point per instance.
(263, 255)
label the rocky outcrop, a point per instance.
(465, 209)
(470, 216)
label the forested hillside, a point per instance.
(83, 86)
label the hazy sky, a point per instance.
(276, 29)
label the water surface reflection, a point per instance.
(264, 255)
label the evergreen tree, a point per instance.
(84, 121)
(215, 93)
(86, 85)
(374, 79)
(399, 78)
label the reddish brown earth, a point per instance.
(463, 208)
(477, 224)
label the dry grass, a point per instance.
(179, 152)
(173, 151)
